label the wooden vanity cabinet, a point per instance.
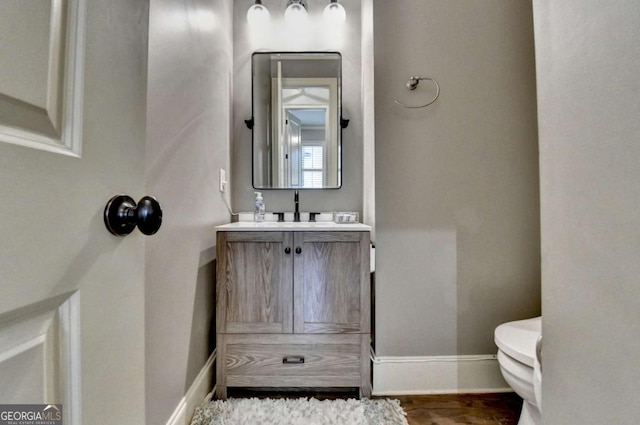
(293, 310)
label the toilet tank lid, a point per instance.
(518, 339)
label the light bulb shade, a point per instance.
(295, 12)
(334, 12)
(258, 14)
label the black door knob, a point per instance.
(122, 215)
(298, 250)
(287, 250)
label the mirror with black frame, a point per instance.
(296, 120)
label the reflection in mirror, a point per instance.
(296, 116)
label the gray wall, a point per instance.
(457, 205)
(281, 38)
(188, 133)
(588, 90)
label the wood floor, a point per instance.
(449, 409)
(462, 409)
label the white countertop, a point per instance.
(247, 226)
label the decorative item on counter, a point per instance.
(245, 216)
(324, 216)
(346, 217)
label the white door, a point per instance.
(72, 131)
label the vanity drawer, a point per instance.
(292, 360)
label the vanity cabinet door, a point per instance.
(254, 282)
(331, 282)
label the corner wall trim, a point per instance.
(195, 394)
(437, 375)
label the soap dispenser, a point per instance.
(259, 208)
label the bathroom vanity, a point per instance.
(293, 306)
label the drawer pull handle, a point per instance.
(293, 360)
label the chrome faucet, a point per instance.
(296, 213)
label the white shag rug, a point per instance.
(302, 411)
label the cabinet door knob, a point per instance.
(298, 250)
(287, 250)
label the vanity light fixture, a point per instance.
(334, 12)
(296, 11)
(258, 14)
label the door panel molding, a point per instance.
(54, 124)
(40, 354)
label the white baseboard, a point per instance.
(437, 375)
(195, 394)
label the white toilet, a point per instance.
(516, 343)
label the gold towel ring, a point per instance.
(412, 84)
